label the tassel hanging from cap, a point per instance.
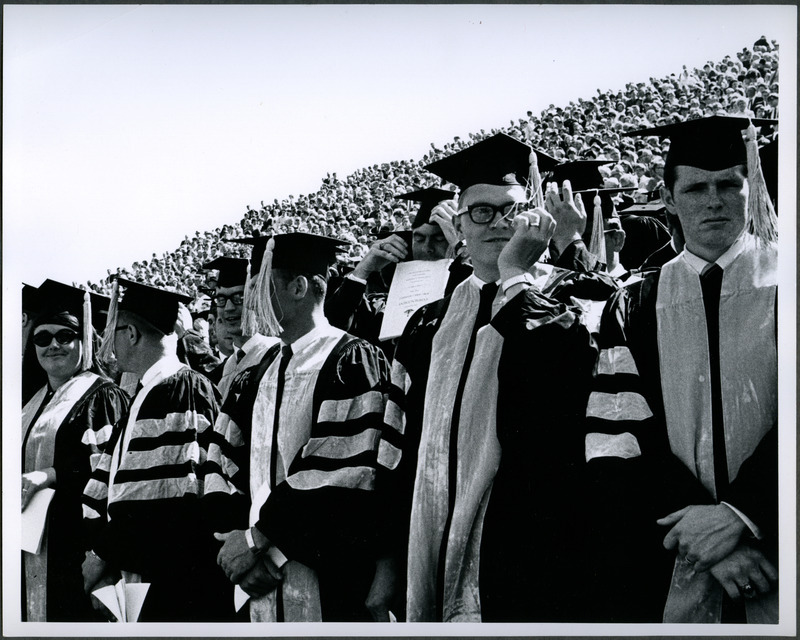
(249, 320)
(262, 294)
(86, 338)
(535, 195)
(597, 244)
(106, 351)
(763, 221)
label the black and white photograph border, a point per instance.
(127, 128)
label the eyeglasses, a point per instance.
(63, 337)
(485, 213)
(221, 300)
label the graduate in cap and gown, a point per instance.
(682, 427)
(445, 393)
(143, 500)
(299, 468)
(236, 278)
(65, 427)
(358, 302)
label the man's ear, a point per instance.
(619, 240)
(299, 287)
(666, 197)
(132, 334)
(457, 226)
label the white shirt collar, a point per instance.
(161, 369)
(477, 282)
(302, 342)
(699, 264)
(252, 342)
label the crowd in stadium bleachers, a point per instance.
(356, 207)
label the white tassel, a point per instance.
(249, 321)
(106, 350)
(267, 320)
(86, 359)
(597, 244)
(763, 221)
(535, 195)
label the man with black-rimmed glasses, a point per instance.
(228, 300)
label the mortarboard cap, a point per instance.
(653, 209)
(158, 306)
(232, 271)
(582, 174)
(60, 303)
(713, 144)
(30, 298)
(499, 160)
(428, 199)
(200, 315)
(306, 252)
(607, 204)
(259, 245)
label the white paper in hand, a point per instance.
(239, 597)
(109, 596)
(415, 283)
(34, 519)
(124, 600)
(134, 599)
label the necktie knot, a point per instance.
(239, 355)
(712, 272)
(286, 351)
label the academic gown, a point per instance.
(441, 344)
(428, 375)
(521, 443)
(577, 257)
(66, 431)
(248, 356)
(649, 439)
(318, 487)
(143, 500)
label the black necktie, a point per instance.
(711, 284)
(239, 355)
(488, 294)
(286, 355)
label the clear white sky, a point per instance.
(127, 127)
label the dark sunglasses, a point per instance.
(485, 213)
(63, 337)
(236, 298)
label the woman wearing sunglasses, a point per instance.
(64, 428)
